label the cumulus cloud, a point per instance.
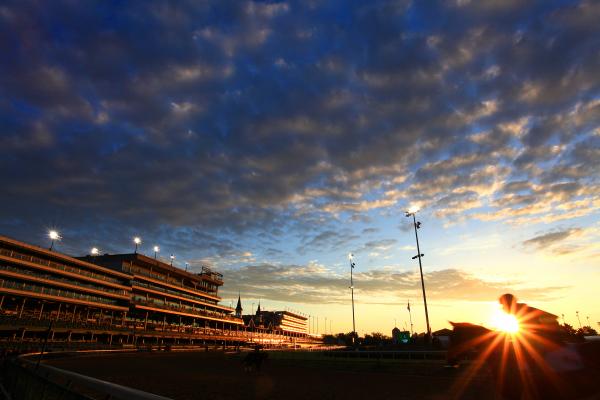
(238, 117)
(557, 241)
(315, 283)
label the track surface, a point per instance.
(200, 375)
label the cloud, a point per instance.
(238, 117)
(317, 284)
(576, 242)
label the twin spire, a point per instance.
(239, 309)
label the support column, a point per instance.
(58, 313)
(1, 302)
(41, 310)
(146, 321)
(74, 311)
(22, 307)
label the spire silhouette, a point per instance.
(238, 308)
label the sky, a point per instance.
(270, 139)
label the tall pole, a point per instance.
(352, 264)
(410, 317)
(419, 255)
(577, 313)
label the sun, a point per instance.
(504, 322)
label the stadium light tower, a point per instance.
(137, 240)
(352, 265)
(172, 257)
(417, 225)
(54, 236)
(156, 250)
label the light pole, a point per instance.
(156, 250)
(417, 225)
(172, 257)
(410, 317)
(577, 313)
(137, 240)
(352, 265)
(54, 236)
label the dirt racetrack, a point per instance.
(214, 375)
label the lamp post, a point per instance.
(417, 225)
(156, 250)
(577, 313)
(137, 240)
(172, 257)
(352, 265)
(54, 236)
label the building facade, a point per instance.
(130, 299)
(283, 322)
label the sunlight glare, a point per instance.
(504, 322)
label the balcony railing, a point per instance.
(64, 280)
(215, 276)
(181, 308)
(63, 267)
(170, 281)
(24, 286)
(173, 292)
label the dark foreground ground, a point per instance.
(201, 375)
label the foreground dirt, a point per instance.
(204, 376)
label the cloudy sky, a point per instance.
(270, 139)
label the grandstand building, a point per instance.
(282, 322)
(163, 296)
(125, 299)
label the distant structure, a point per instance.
(238, 308)
(396, 335)
(400, 337)
(285, 322)
(442, 337)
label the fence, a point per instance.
(24, 380)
